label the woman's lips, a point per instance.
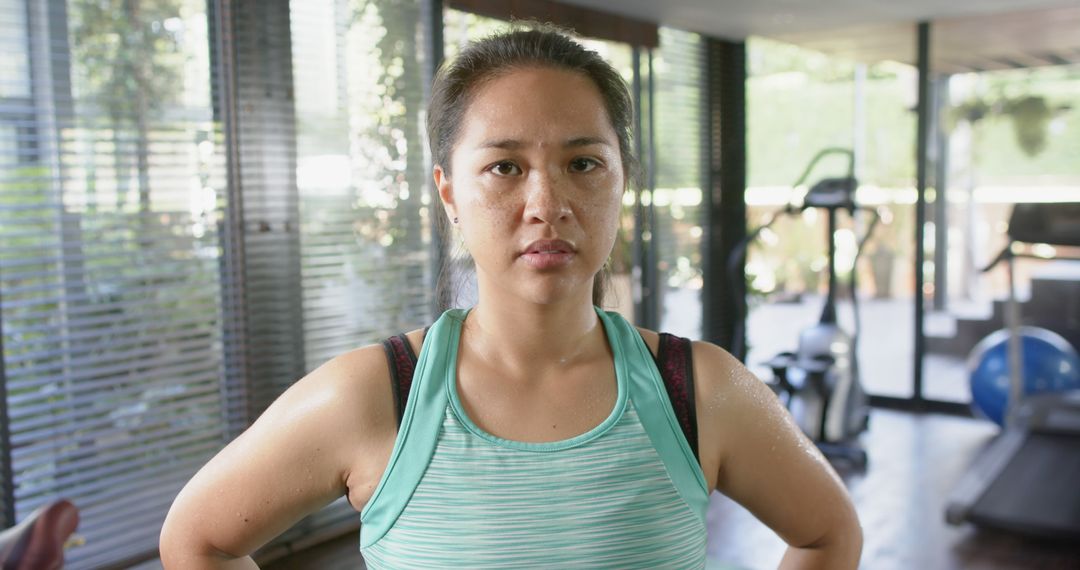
(548, 254)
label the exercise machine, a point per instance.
(1026, 481)
(819, 382)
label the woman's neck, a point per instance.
(532, 337)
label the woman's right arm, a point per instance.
(328, 435)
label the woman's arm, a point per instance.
(328, 435)
(752, 451)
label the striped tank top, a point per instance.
(626, 494)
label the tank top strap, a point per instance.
(649, 397)
(419, 430)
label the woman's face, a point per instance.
(536, 184)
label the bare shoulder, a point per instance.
(725, 382)
(353, 372)
(734, 407)
(754, 453)
(344, 409)
(354, 386)
(718, 372)
(328, 435)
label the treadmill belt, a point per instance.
(1038, 492)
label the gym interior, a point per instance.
(876, 206)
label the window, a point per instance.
(14, 53)
(362, 173)
(109, 268)
(679, 172)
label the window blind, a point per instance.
(362, 173)
(363, 237)
(110, 197)
(185, 231)
(680, 176)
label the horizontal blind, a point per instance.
(265, 160)
(361, 185)
(110, 181)
(362, 173)
(680, 175)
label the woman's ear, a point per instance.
(446, 191)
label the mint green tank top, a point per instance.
(626, 494)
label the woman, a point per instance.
(536, 432)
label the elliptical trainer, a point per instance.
(819, 382)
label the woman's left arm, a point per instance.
(752, 451)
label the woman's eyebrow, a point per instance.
(505, 144)
(515, 144)
(584, 141)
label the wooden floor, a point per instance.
(914, 461)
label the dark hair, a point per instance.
(528, 44)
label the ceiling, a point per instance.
(967, 35)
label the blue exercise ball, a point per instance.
(1050, 364)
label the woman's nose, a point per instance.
(546, 198)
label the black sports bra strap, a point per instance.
(676, 363)
(402, 361)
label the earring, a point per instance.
(455, 219)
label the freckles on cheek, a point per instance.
(602, 220)
(493, 217)
(485, 223)
(489, 201)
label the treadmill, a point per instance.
(1028, 480)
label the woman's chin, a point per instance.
(551, 287)
(556, 290)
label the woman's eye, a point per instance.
(582, 164)
(505, 168)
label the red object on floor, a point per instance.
(37, 542)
